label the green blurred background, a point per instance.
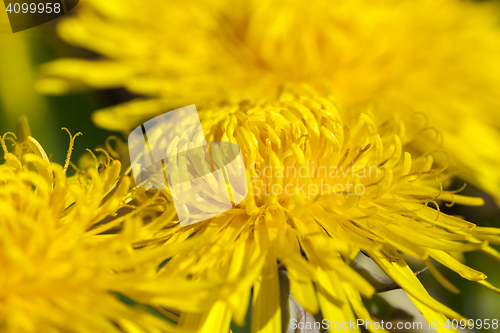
(20, 56)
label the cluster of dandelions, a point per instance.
(64, 266)
(439, 57)
(72, 245)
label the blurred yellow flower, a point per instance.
(440, 57)
(324, 184)
(64, 262)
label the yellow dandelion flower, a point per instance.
(325, 183)
(437, 57)
(63, 263)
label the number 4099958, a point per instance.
(34, 8)
(472, 324)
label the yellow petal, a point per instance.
(266, 309)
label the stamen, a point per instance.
(452, 203)
(438, 138)
(109, 159)
(109, 148)
(4, 147)
(456, 191)
(95, 159)
(438, 210)
(2, 142)
(343, 158)
(361, 151)
(70, 149)
(77, 170)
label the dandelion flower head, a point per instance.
(69, 248)
(307, 211)
(437, 57)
